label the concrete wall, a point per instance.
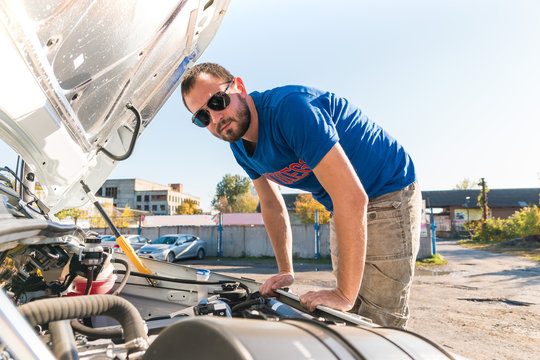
(252, 240)
(240, 240)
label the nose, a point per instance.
(215, 116)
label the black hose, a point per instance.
(46, 310)
(96, 333)
(186, 281)
(247, 304)
(105, 333)
(124, 281)
(89, 281)
(133, 138)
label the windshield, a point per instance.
(168, 240)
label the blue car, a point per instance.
(173, 247)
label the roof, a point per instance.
(289, 199)
(228, 219)
(496, 197)
(519, 197)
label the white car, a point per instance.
(136, 242)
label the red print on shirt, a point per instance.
(290, 174)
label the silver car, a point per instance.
(173, 247)
(136, 241)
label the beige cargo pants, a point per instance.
(393, 236)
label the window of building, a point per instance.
(154, 207)
(162, 207)
(146, 208)
(111, 192)
(138, 207)
(146, 197)
(159, 197)
(139, 197)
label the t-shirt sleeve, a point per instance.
(307, 127)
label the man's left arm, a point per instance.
(339, 179)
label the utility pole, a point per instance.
(484, 201)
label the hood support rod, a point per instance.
(122, 242)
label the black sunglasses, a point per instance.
(217, 102)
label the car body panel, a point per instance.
(74, 66)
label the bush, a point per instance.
(523, 223)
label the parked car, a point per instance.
(136, 241)
(106, 237)
(173, 247)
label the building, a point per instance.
(146, 196)
(456, 207)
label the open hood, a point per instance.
(70, 69)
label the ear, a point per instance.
(240, 85)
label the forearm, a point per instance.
(351, 229)
(276, 221)
(350, 206)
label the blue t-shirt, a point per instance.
(298, 126)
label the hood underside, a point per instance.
(70, 69)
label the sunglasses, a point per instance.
(217, 102)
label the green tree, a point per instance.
(125, 218)
(228, 191)
(306, 206)
(188, 207)
(465, 184)
(523, 223)
(73, 213)
(97, 221)
(245, 203)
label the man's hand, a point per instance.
(331, 298)
(274, 283)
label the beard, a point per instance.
(242, 119)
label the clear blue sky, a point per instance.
(456, 82)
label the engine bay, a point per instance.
(64, 296)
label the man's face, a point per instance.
(229, 124)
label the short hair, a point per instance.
(191, 75)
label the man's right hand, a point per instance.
(274, 283)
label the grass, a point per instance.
(434, 260)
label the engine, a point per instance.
(63, 296)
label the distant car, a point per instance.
(173, 247)
(106, 237)
(136, 241)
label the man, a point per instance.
(316, 141)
